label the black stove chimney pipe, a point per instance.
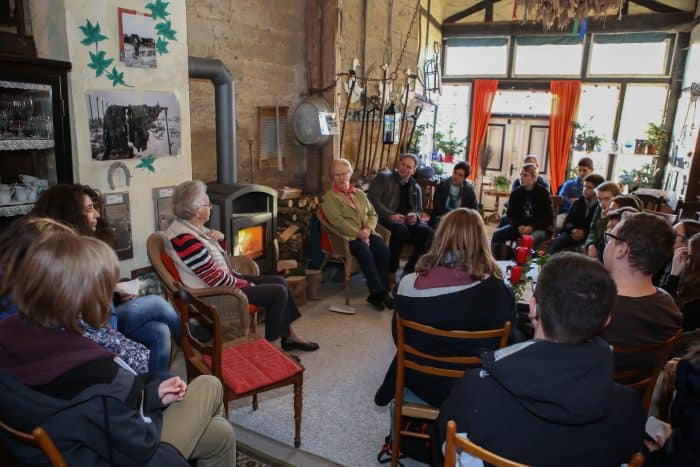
(225, 102)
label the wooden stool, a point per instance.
(313, 284)
(297, 287)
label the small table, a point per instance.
(498, 194)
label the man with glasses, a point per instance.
(634, 250)
(397, 198)
(593, 245)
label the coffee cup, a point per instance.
(29, 180)
(22, 193)
(5, 194)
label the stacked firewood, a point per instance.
(293, 216)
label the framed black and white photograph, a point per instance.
(131, 124)
(163, 207)
(137, 39)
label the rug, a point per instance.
(250, 457)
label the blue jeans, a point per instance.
(150, 320)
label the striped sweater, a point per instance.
(200, 260)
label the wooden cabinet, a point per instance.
(35, 146)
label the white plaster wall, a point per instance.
(692, 63)
(171, 75)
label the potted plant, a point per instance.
(586, 139)
(501, 183)
(418, 134)
(449, 144)
(657, 137)
(642, 178)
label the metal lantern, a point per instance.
(391, 125)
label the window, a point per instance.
(596, 112)
(476, 56)
(645, 54)
(522, 103)
(548, 56)
(453, 108)
(644, 104)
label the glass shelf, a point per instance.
(20, 144)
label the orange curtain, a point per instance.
(565, 96)
(484, 92)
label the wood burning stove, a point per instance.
(247, 215)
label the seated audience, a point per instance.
(572, 189)
(456, 192)
(149, 319)
(202, 262)
(94, 407)
(614, 216)
(552, 401)
(347, 211)
(643, 314)
(457, 286)
(683, 282)
(15, 240)
(594, 243)
(578, 219)
(397, 198)
(529, 212)
(681, 448)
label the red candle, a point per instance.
(521, 254)
(515, 273)
(528, 242)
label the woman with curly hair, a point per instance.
(148, 319)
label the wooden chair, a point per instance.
(651, 202)
(231, 301)
(246, 366)
(338, 249)
(454, 441)
(424, 411)
(38, 437)
(644, 379)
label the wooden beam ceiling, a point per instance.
(477, 7)
(680, 21)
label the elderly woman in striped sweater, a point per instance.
(202, 262)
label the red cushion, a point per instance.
(253, 365)
(170, 266)
(325, 241)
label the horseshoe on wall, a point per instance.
(113, 168)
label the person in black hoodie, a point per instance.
(578, 221)
(530, 212)
(552, 401)
(97, 410)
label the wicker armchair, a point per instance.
(230, 301)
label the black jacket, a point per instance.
(384, 193)
(543, 212)
(486, 305)
(548, 404)
(578, 218)
(442, 191)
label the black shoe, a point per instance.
(288, 344)
(384, 395)
(388, 301)
(376, 300)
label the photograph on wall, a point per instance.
(137, 39)
(133, 124)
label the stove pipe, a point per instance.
(225, 104)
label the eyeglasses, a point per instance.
(608, 236)
(342, 174)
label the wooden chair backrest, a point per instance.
(644, 379)
(651, 202)
(556, 203)
(38, 437)
(454, 441)
(190, 306)
(403, 348)
(155, 247)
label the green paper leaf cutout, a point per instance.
(92, 33)
(158, 9)
(147, 163)
(162, 46)
(99, 63)
(165, 29)
(117, 78)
